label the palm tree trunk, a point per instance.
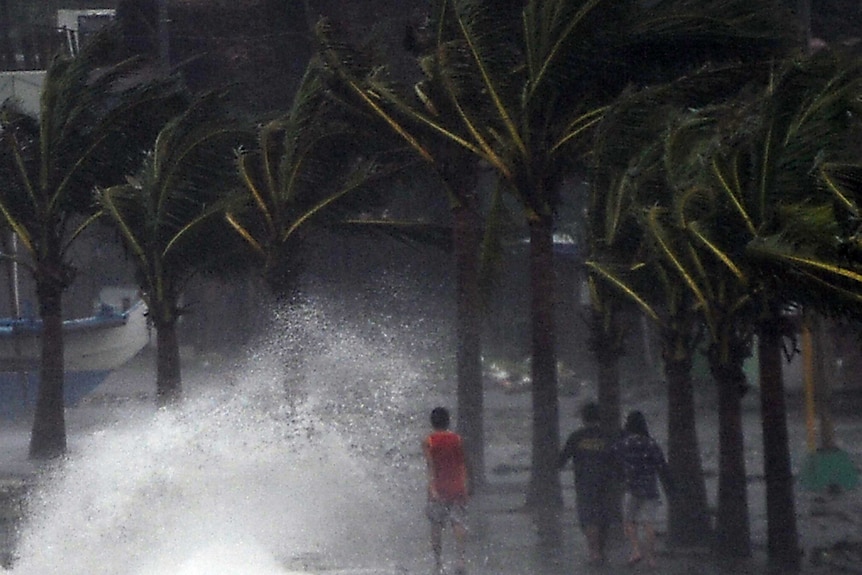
(48, 437)
(545, 494)
(688, 510)
(467, 242)
(732, 529)
(782, 535)
(168, 378)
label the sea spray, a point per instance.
(303, 457)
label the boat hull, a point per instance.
(93, 347)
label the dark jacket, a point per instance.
(643, 465)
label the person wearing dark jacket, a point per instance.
(644, 466)
(589, 449)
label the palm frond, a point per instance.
(812, 265)
(119, 204)
(469, 16)
(660, 235)
(716, 250)
(619, 283)
(729, 183)
(168, 213)
(844, 183)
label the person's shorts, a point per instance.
(638, 510)
(592, 510)
(442, 512)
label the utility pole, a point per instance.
(803, 8)
(7, 53)
(163, 35)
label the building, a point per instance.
(27, 50)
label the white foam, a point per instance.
(313, 468)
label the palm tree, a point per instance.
(310, 167)
(738, 171)
(725, 305)
(673, 41)
(571, 59)
(768, 174)
(523, 96)
(665, 228)
(818, 247)
(170, 216)
(421, 120)
(635, 169)
(525, 93)
(628, 180)
(517, 123)
(96, 117)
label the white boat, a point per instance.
(93, 347)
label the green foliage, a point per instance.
(771, 173)
(96, 120)
(170, 213)
(724, 181)
(310, 165)
(816, 251)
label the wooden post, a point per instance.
(808, 382)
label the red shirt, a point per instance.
(445, 455)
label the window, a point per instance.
(78, 25)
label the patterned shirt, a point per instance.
(642, 461)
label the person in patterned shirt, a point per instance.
(644, 465)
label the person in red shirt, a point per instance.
(447, 487)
